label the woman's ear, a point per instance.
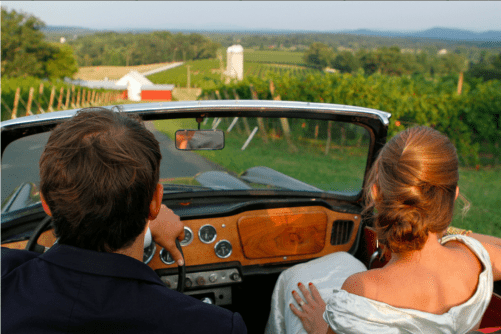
(156, 201)
(374, 192)
(45, 206)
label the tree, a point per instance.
(318, 55)
(25, 53)
(62, 63)
(345, 62)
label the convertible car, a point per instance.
(260, 186)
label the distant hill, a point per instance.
(438, 33)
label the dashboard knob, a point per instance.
(235, 276)
(188, 283)
(213, 278)
(201, 280)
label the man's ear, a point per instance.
(457, 193)
(45, 205)
(156, 202)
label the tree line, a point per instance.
(128, 49)
(393, 61)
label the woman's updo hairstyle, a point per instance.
(412, 186)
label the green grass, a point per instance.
(203, 73)
(482, 189)
(276, 57)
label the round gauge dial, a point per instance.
(223, 249)
(149, 252)
(166, 257)
(207, 234)
(188, 236)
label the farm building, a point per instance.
(156, 92)
(139, 88)
(134, 80)
(135, 87)
(235, 62)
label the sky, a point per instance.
(476, 16)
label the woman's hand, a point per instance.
(311, 312)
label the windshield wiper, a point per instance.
(172, 187)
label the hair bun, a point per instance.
(412, 187)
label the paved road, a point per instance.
(20, 161)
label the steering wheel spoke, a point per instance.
(32, 244)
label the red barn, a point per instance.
(156, 92)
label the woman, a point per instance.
(433, 283)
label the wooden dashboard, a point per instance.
(261, 236)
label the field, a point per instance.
(206, 73)
(112, 72)
(274, 57)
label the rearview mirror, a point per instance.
(188, 140)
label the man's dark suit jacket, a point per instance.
(72, 290)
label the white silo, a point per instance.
(235, 62)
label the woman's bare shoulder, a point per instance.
(362, 283)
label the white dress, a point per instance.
(350, 314)
(327, 272)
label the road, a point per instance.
(20, 161)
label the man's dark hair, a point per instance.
(98, 174)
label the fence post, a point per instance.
(460, 83)
(244, 119)
(67, 104)
(30, 100)
(260, 121)
(60, 99)
(77, 105)
(249, 139)
(40, 94)
(16, 103)
(88, 98)
(51, 99)
(73, 96)
(93, 98)
(328, 144)
(218, 95)
(283, 121)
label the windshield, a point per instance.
(300, 155)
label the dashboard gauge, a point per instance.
(149, 252)
(207, 234)
(223, 249)
(188, 236)
(166, 257)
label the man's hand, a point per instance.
(165, 229)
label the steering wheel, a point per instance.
(33, 246)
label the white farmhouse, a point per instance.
(134, 80)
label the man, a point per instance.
(99, 177)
